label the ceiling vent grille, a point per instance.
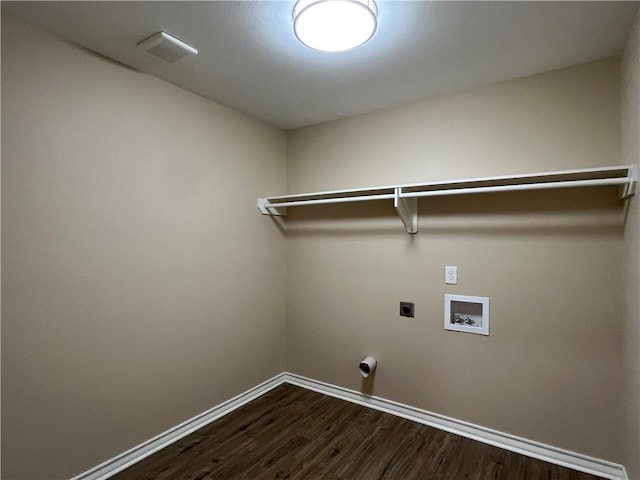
(166, 47)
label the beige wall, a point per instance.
(631, 155)
(140, 285)
(549, 261)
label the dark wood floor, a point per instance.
(292, 433)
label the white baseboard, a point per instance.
(128, 458)
(530, 448)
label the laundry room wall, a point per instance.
(140, 286)
(550, 261)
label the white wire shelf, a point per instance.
(405, 196)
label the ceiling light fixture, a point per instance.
(334, 25)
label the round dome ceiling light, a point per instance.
(334, 25)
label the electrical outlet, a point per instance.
(451, 275)
(407, 309)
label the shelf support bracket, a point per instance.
(407, 209)
(267, 209)
(629, 189)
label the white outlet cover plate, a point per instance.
(451, 275)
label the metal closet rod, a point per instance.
(405, 195)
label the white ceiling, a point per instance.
(250, 60)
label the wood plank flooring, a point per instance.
(292, 433)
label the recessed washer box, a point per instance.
(463, 313)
